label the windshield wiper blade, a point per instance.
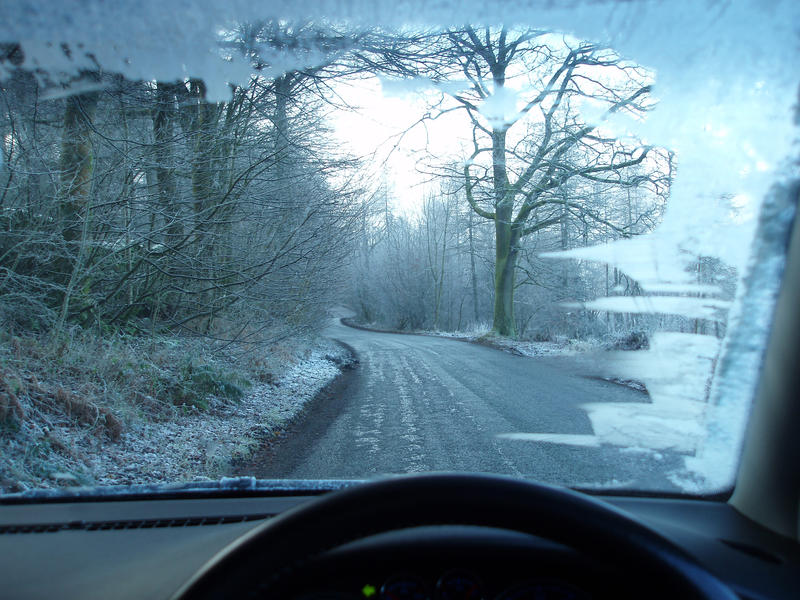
(226, 487)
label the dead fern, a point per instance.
(11, 411)
(88, 413)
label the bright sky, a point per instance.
(377, 128)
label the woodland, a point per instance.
(157, 243)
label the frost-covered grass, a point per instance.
(561, 347)
(482, 334)
(90, 411)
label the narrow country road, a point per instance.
(419, 403)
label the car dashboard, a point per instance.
(150, 548)
(460, 562)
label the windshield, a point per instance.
(343, 241)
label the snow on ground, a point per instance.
(535, 349)
(202, 445)
(532, 349)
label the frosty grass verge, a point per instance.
(200, 446)
(203, 445)
(538, 349)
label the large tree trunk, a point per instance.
(283, 153)
(76, 162)
(202, 122)
(163, 117)
(202, 160)
(473, 274)
(280, 121)
(506, 240)
(77, 168)
(506, 253)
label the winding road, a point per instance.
(421, 403)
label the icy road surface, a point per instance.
(419, 403)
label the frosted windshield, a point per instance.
(216, 223)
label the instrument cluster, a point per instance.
(455, 584)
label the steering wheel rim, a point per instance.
(291, 540)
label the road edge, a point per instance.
(632, 384)
(261, 462)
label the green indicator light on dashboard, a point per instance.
(369, 591)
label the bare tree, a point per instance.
(529, 141)
(144, 206)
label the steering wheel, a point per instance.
(284, 545)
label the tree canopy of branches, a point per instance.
(522, 92)
(140, 205)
